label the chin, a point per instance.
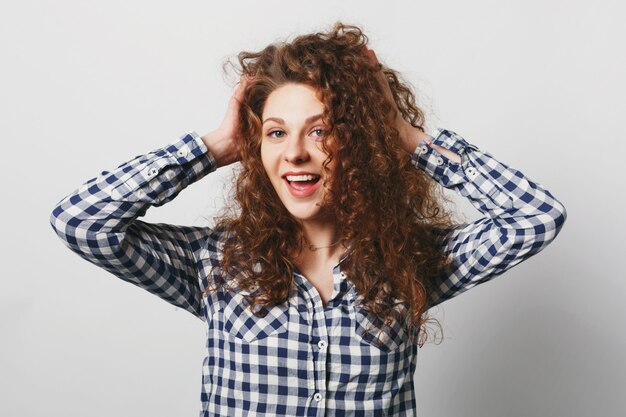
(314, 212)
(305, 215)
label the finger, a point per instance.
(239, 90)
(372, 56)
(246, 79)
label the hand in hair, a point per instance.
(409, 135)
(222, 143)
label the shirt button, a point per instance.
(439, 160)
(152, 172)
(321, 344)
(343, 275)
(423, 149)
(471, 171)
(317, 397)
(182, 152)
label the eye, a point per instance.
(270, 134)
(321, 132)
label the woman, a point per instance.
(315, 293)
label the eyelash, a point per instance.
(278, 130)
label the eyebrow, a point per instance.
(307, 120)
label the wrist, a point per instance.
(411, 138)
(215, 144)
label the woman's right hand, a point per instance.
(222, 143)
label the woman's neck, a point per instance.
(322, 242)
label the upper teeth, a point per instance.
(301, 177)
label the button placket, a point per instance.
(319, 349)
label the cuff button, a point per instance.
(182, 152)
(152, 172)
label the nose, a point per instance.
(296, 150)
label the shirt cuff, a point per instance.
(188, 151)
(441, 168)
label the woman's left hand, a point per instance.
(409, 135)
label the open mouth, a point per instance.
(302, 185)
(309, 180)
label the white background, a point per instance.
(87, 85)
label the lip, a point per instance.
(299, 173)
(301, 193)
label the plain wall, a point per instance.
(86, 85)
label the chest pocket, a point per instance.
(234, 317)
(373, 331)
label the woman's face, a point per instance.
(291, 148)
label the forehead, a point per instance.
(293, 102)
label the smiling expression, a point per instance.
(292, 136)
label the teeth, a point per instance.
(301, 177)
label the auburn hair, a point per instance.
(386, 209)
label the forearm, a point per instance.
(520, 217)
(99, 221)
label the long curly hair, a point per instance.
(385, 208)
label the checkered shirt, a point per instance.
(301, 358)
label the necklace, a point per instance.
(314, 248)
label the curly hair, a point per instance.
(385, 208)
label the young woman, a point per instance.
(315, 292)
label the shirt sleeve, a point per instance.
(520, 216)
(99, 221)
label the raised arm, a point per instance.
(100, 220)
(520, 216)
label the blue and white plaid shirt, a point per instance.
(301, 359)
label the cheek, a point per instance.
(268, 160)
(265, 158)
